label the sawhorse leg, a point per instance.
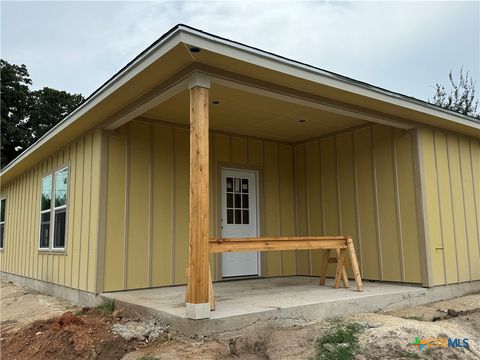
(328, 260)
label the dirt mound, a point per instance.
(65, 337)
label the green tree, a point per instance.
(47, 107)
(15, 95)
(460, 97)
(27, 114)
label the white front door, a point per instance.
(239, 219)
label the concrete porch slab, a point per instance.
(282, 300)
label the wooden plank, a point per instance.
(340, 268)
(324, 269)
(346, 284)
(354, 262)
(272, 245)
(280, 238)
(198, 284)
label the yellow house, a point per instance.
(279, 148)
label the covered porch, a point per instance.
(322, 168)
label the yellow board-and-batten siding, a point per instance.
(450, 171)
(361, 183)
(76, 266)
(146, 240)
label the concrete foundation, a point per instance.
(278, 301)
(77, 297)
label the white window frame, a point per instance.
(52, 211)
(3, 222)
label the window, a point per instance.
(53, 210)
(237, 201)
(2, 221)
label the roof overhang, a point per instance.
(166, 64)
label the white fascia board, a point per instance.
(122, 77)
(293, 68)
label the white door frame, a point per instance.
(257, 216)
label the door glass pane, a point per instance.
(229, 184)
(238, 201)
(238, 216)
(245, 201)
(229, 200)
(46, 192)
(246, 219)
(61, 178)
(230, 216)
(59, 231)
(44, 229)
(237, 185)
(245, 185)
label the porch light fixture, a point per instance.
(195, 49)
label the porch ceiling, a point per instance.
(255, 115)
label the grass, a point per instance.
(147, 358)
(107, 306)
(340, 343)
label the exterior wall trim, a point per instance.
(422, 216)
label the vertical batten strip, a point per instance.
(464, 209)
(307, 200)
(397, 205)
(89, 238)
(279, 210)
(453, 206)
(72, 203)
(80, 244)
(126, 216)
(339, 202)
(102, 226)
(9, 246)
(295, 205)
(173, 200)
(357, 203)
(440, 211)
(24, 180)
(22, 213)
(21, 241)
(322, 187)
(37, 214)
(150, 207)
(31, 222)
(375, 192)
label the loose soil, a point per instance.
(66, 332)
(65, 337)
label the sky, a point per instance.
(406, 47)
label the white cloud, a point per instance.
(403, 46)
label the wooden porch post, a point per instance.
(198, 306)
